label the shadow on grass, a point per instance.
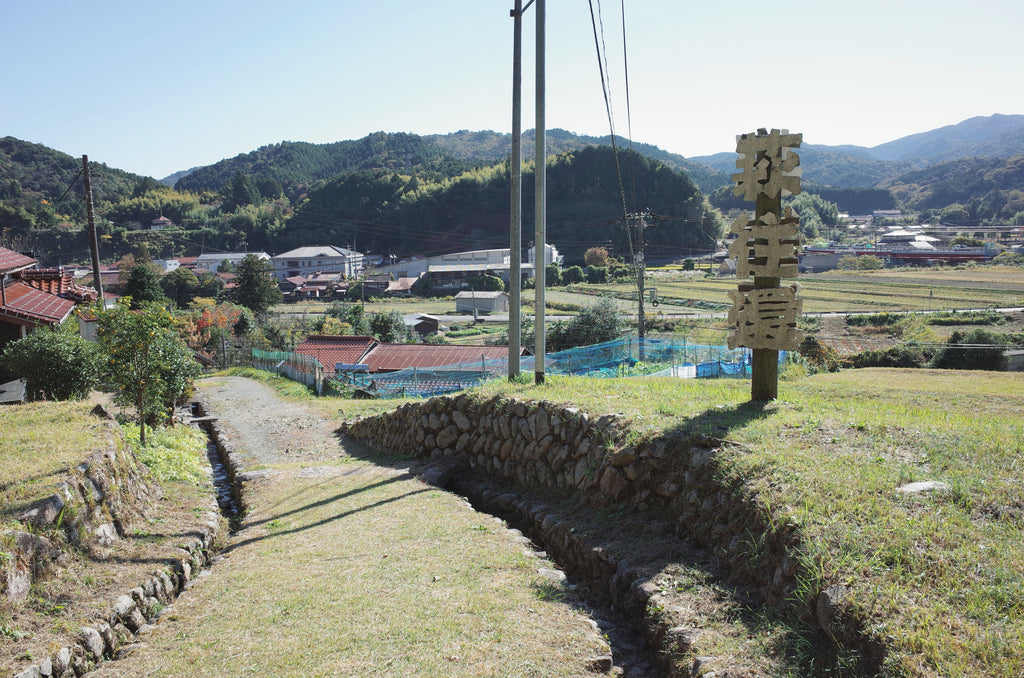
(718, 422)
(324, 521)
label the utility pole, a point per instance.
(93, 240)
(639, 220)
(515, 250)
(540, 207)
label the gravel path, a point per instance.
(266, 429)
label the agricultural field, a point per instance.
(916, 289)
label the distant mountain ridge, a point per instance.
(849, 166)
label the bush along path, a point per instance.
(346, 565)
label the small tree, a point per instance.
(390, 328)
(596, 256)
(977, 349)
(256, 289)
(593, 325)
(143, 285)
(552, 275)
(147, 362)
(56, 364)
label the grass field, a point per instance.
(896, 290)
(938, 577)
(41, 441)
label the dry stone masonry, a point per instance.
(546, 446)
(102, 500)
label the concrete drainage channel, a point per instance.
(605, 592)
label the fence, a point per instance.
(626, 357)
(296, 366)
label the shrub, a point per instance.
(56, 364)
(974, 350)
(895, 356)
(597, 274)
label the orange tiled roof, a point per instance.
(13, 261)
(23, 304)
(56, 281)
(331, 349)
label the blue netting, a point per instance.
(626, 357)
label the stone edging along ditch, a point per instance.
(553, 448)
(102, 500)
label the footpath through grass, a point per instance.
(347, 567)
(940, 575)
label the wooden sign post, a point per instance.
(763, 312)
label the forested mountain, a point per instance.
(837, 166)
(969, 190)
(491, 147)
(33, 177)
(999, 136)
(384, 211)
(297, 167)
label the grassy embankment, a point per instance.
(42, 443)
(938, 577)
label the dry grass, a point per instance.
(41, 441)
(370, 573)
(47, 439)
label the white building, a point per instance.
(481, 302)
(469, 263)
(211, 262)
(305, 261)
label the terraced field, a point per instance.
(899, 290)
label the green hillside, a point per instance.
(404, 214)
(33, 178)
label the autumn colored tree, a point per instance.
(596, 256)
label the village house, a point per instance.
(211, 262)
(307, 260)
(451, 270)
(481, 302)
(32, 297)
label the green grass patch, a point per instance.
(173, 454)
(41, 442)
(938, 577)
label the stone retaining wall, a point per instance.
(102, 500)
(541, 445)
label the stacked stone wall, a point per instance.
(542, 445)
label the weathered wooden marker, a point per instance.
(764, 314)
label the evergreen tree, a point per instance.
(143, 285)
(256, 289)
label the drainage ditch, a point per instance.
(604, 591)
(229, 499)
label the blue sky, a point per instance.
(157, 87)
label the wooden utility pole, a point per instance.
(640, 265)
(94, 244)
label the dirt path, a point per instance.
(348, 567)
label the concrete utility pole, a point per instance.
(515, 275)
(540, 208)
(94, 244)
